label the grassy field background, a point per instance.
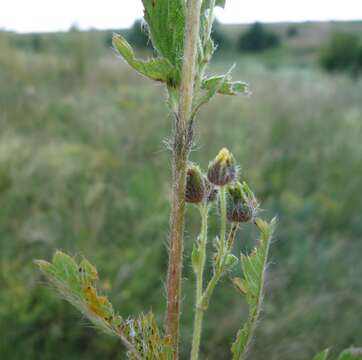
(83, 168)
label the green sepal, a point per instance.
(322, 355)
(230, 261)
(159, 69)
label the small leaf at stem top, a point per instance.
(156, 69)
(223, 85)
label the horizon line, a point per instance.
(354, 20)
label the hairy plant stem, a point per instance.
(210, 19)
(232, 235)
(182, 141)
(199, 312)
(220, 268)
(222, 221)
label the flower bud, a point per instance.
(222, 170)
(195, 185)
(242, 205)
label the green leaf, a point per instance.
(166, 24)
(351, 354)
(322, 356)
(222, 84)
(251, 286)
(76, 283)
(65, 276)
(155, 69)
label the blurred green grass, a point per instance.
(83, 168)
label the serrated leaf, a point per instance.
(65, 275)
(252, 285)
(76, 283)
(222, 84)
(156, 69)
(351, 354)
(166, 23)
(322, 355)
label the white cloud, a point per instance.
(53, 15)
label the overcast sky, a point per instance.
(54, 15)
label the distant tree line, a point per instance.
(257, 38)
(343, 52)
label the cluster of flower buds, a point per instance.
(242, 205)
(198, 188)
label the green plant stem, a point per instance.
(203, 47)
(218, 272)
(222, 221)
(232, 235)
(219, 268)
(210, 19)
(199, 312)
(181, 148)
(205, 299)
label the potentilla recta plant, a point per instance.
(181, 34)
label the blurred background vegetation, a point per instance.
(83, 169)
